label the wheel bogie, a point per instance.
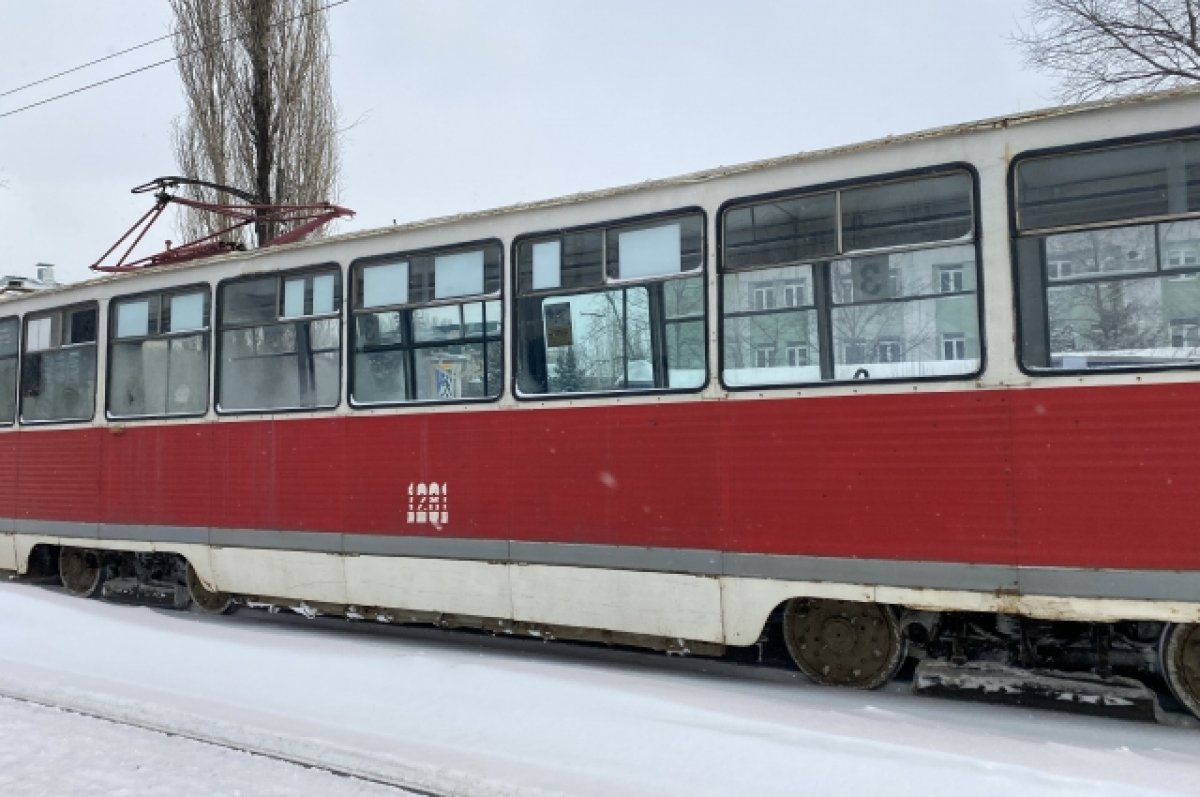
(206, 600)
(82, 571)
(844, 643)
(1179, 652)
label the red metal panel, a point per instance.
(10, 463)
(59, 477)
(157, 474)
(1095, 477)
(1108, 477)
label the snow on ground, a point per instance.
(459, 715)
(45, 751)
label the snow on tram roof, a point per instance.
(945, 131)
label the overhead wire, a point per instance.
(145, 68)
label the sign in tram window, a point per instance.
(58, 367)
(1101, 294)
(10, 329)
(158, 355)
(865, 282)
(612, 308)
(427, 326)
(281, 342)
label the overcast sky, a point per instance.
(453, 106)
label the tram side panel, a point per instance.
(1107, 477)
(9, 454)
(158, 475)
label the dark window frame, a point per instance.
(16, 358)
(23, 367)
(609, 283)
(822, 277)
(409, 344)
(206, 331)
(1032, 293)
(218, 327)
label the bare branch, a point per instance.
(1100, 48)
(260, 112)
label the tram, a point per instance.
(932, 395)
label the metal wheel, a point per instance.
(206, 600)
(1179, 649)
(81, 571)
(844, 643)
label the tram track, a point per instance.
(401, 786)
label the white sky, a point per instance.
(455, 106)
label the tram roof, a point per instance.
(945, 131)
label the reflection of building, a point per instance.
(1130, 292)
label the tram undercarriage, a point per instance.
(1110, 669)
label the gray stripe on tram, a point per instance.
(1165, 585)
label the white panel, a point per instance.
(458, 275)
(187, 312)
(39, 334)
(8, 552)
(386, 284)
(133, 319)
(323, 294)
(280, 574)
(650, 252)
(658, 604)
(547, 265)
(431, 585)
(293, 298)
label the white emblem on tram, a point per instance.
(428, 503)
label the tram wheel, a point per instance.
(844, 643)
(205, 599)
(81, 571)
(1180, 653)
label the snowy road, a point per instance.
(456, 716)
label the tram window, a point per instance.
(158, 355)
(9, 350)
(613, 308)
(58, 368)
(281, 344)
(1105, 295)
(886, 314)
(1141, 181)
(427, 326)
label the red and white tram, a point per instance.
(867, 392)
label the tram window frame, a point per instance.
(831, 275)
(60, 332)
(667, 317)
(1039, 254)
(10, 354)
(421, 289)
(263, 315)
(159, 314)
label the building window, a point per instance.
(889, 350)
(427, 326)
(1185, 333)
(954, 347)
(763, 296)
(795, 294)
(281, 344)
(764, 357)
(949, 279)
(797, 355)
(58, 369)
(158, 355)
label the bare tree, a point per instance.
(260, 112)
(1100, 48)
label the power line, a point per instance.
(89, 63)
(131, 72)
